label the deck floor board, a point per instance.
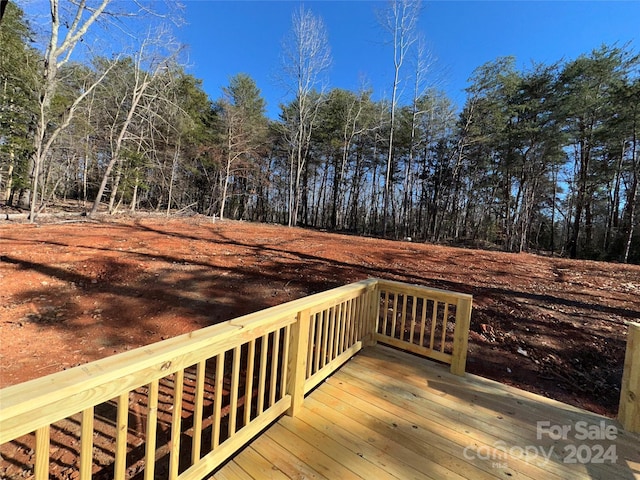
(391, 415)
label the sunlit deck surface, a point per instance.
(391, 415)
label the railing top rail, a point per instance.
(448, 295)
(34, 394)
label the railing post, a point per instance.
(461, 335)
(297, 362)
(373, 314)
(629, 410)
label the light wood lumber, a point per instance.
(59, 395)
(232, 471)
(419, 290)
(439, 453)
(176, 424)
(413, 348)
(152, 426)
(321, 443)
(122, 426)
(338, 339)
(41, 470)
(485, 411)
(283, 459)
(445, 322)
(297, 361)
(394, 315)
(461, 337)
(328, 337)
(274, 367)
(629, 410)
(423, 322)
(262, 377)
(86, 444)
(332, 331)
(412, 324)
(284, 374)
(318, 460)
(259, 467)
(196, 443)
(248, 393)
(317, 347)
(402, 415)
(310, 344)
(324, 351)
(235, 383)
(213, 459)
(434, 322)
(99, 381)
(381, 450)
(331, 367)
(403, 317)
(385, 312)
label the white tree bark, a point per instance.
(56, 55)
(306, 56)
(400, 20)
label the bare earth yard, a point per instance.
(75, 292)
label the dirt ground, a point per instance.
(72, 292)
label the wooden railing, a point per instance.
(181, 407)
(426, 321)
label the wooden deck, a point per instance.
(391, 415)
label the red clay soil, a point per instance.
(79, 291)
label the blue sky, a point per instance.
(229, 37)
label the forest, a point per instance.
(544, 159)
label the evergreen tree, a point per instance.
(19, 64)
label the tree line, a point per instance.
(538, 159)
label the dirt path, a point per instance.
(72, 293)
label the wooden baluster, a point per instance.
(248, 392)
(122, 419)
(434, 321)
(385, 313)
(176, 423)
(196, 443)
(414, 309)
(311, 345)
(262, 378)
(86, 444)
(346, 325)
(42, 453)
(217, 400)
(423, 320)
(445, 321)
(235, 385)
(325, 338)
(274, 368)
(285, 355)
(338, 322)
(394, 315)
(152, 426)
(317, 350)
(332, 332)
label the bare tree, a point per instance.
(58, 53)
(68, 24)
(149, 66)
(306, 55)
(400, 21)
(422, 62)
